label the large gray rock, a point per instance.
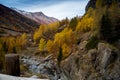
(108, 61)
(49, 68)
(102, 63)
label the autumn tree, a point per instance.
(86, 24)
(23, 40)
(65, 50)
(38, 33)
(46, 31)
(64, 39)
(42, 44)
(66, 36)
(50, 46)
(2, 57)
(11, 44)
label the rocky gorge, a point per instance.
(45, 66)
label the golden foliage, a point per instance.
(64, 39)
(23, 40)
(38, 33)
(13, 44)
(49, 46)
(52, 26)
(2, 56)
(66, 36)
(86, 24)
(45, 30)
(65, 50)
(42, 45)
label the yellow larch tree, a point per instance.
(38, 33)
(42, 44)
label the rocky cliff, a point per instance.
(102, 63)
(92, 3)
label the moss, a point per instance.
(92, 43)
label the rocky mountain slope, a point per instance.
(101, 62)
(12, 21)
(37, 16)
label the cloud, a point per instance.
(60, 10)
(54, 8)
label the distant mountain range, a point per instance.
(14, 21)
(37, 16)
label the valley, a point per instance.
(80, 48)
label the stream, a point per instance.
(45, 66)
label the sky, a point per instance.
(59, 9)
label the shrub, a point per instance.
(92, 43)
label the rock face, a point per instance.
(102, 63)
(92, 3)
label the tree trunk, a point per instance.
(12, 64)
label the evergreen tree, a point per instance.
(106, 28)
(73, 23)
(60, 55)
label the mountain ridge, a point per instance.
(14, 21)
(39, 17)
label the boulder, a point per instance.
(102, 63)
